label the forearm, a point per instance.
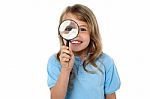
(110, 96)
(60, 89)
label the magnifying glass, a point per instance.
(68, 29)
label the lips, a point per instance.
(75, 42)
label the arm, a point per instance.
(110, 96)
(60, 89)
(67, 60)
(112, 80)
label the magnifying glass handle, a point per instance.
(67, 43)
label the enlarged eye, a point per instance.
(69, 28)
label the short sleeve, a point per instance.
(53, 71)
(112, 80)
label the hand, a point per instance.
(66, 58)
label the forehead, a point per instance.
(74, 17)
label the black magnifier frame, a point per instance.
(72, 25)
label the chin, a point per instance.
(79, 51)
(76, 50)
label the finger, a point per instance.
(64, 47)
(64, 55)
(71, 52)
(65, 59)
(65, 51)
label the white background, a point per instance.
(28, 36)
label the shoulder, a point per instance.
(53, 61)
(106, 60)
(53, 58)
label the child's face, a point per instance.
(81, 42)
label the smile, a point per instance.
(76, 42)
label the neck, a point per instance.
(82, 54)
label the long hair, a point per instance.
(83, 13)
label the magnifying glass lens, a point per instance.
(68, 29)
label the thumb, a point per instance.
(72, 54)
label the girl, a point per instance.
(82, 70)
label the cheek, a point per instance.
(87, 40)
(87, 37)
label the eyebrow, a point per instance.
(83, 26)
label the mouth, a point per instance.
(75, 42)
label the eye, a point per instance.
(83, 29)
(68, 28)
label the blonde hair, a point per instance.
(84, 14)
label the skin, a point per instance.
(110, 96)
(77, 46)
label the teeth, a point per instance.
(75, 42)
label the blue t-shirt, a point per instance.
(86, 85)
